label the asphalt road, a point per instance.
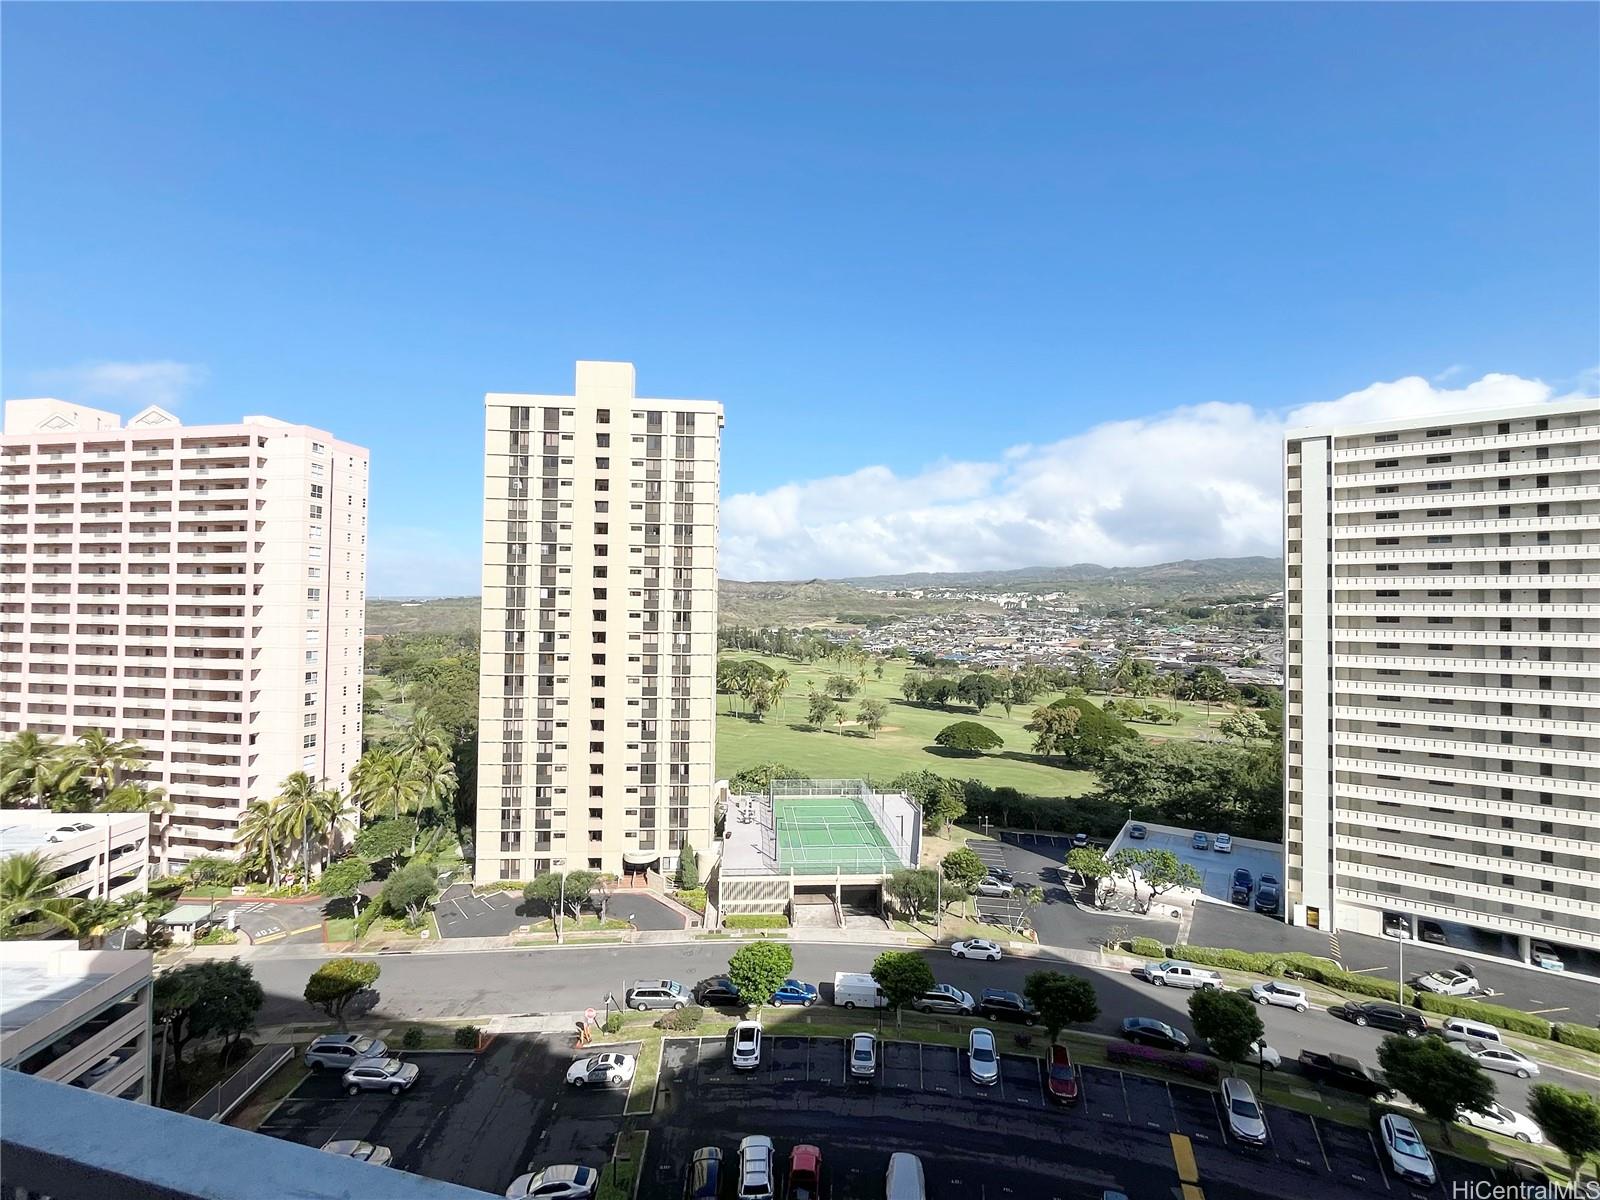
(472, 984)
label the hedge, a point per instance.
(1309, 966)
(466, 1036)
(1489, 1014)
(1580, 1036)
(1148, 947)
(756, 921)
(1204, 1070)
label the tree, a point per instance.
(1570, 1120)
(903, 976)
(840, 687)
(819, 709)
(301, 810)
(753, 781)
(978, 690)
(409, 889)
(29, 767)
(342, 881)
(968, 737)
(383, 786)
(207, 999)
(101, 758)
(1159, 870)
(337, 982)
(211, 870)
(914, 889)
(1228, 1021)
(688, 867)
(759, 969)
(948, 805)
(1244, 725)
(871, 714)
(1061, 999)
(1437, 1078)
(963, 866)
(383, 840)
(1054, 731)
(259, 836)
(30, 904)
(1089, 864)
(551, 888)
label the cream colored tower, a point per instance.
(198, 589)
(598, 688)
(1443, 676)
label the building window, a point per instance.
(309, 741)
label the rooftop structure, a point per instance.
(95, 855)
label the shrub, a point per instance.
(1309, 966)
(756, 921)
(413, 1039)
(1205, 1070)
(1148, 947)
(466, 1036)
(694, 898)
(369, 914)
(1580, 1036)
(681, 1019)
(1489, 1014)
(613, 1022)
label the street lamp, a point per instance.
(1261, 1068)
(561, 903)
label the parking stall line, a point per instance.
(1382, 1174)
(1172, 1105)
(1126, 1107)
(922, 1074)
(1326, 1165)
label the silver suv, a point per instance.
(757, 1161)
(656, 993)
(341, 1051)
(943, 998)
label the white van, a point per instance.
(852, 989)
(904, 1180)
(1460, 1029)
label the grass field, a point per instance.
(905, 743)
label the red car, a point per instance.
(805, 1173)
(1063, 1078)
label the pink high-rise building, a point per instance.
(198, 589)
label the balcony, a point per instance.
(1434, 769)
(1452, 471)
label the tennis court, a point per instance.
(826, 833)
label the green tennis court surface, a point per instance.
(825, 833)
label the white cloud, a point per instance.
(422, 562)
(1193, 482)
(128, 385)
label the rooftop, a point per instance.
(38, 977)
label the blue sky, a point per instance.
(933, 260)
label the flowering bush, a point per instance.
(1203, 1069)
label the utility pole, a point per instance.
(561, 903)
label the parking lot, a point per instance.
(465, 913)
(1006, 912)
(1216, 870)
(922, 1099)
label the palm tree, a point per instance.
(337, 810)
(29, 901)
(32, 763)
(258, 835)
(301, 809)
(435, 775)
(382, 785)
(423, 734)
(102, 758)
(780, 684)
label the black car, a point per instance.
(1385, 1016)
(1267, 900)
(703, 1179)
(718, 992)
(1003, 875)
(998, 1005)
(1431, 931)
(1341, 1071)
(1243, 879)
(1147, 1031)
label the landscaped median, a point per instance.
(1565, 1045)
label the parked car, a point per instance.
(1279, 995)
(1498, 1057)
(381, 1075)
(102, 1069)
(1080, 840)
(997, 1004)
(612, 1070)
(976, 948)
(1146, 1031)
(717, 992)
(1243, 879)
(904, 1180)
(943, 998)
(1171, 973)
(1543, 954)
(1223, 843)
(1240, 896)
(1431, 931)
(805, 1173)
(747, 1045)
(1267, 899)
(703, 1179)
(1267, 880)
(1002, 874)
(1137, 832)
(1383, 1016)
(983, 1062)
(1246, 1121)
(565, 1182)
(993, 887)
(1496, 1118)
(343, 1050)
(863, 1055)
(1396, 925)
(756, 1163)
(1408, 1157)
(1200, 842)
(656, 993)
(1062, 1078)
(1342, 1071)
(378, 1156)
(795, 992)
(62, 832)
(1460, 982)
(857, 988)
(1263, 1056)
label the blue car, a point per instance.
(1200, 842)
(795, 992)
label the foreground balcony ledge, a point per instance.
(71, 1143)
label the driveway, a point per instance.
(465, 913)
(274, 922)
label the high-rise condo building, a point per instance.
(1443, 678)
(598, 688)
(198, 589)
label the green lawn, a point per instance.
(905, 743)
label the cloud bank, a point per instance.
(129, 386)
(1193, 482)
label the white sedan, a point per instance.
(1497, 1119)
(1450, 983)
(976, 948)
(602, 1069)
